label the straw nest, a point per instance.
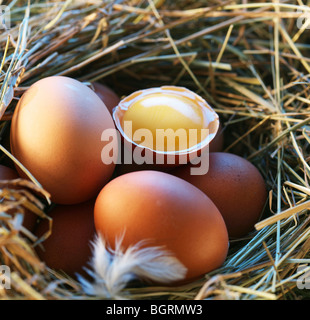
(249, 60)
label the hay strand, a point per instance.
(249, 60)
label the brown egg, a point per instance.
(107, 95)
(56, 134)
(7, 173)
(235, 186)
(122, 167)
(165, 211)
(68, 248)
(216, 145)
(165, 126)
(30, 217)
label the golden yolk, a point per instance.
(165, 122)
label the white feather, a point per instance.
(112, 270)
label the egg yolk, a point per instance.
(165, 122)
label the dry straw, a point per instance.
(249, 60)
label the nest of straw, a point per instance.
(249, 60)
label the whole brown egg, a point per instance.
(7, 173)
(216, 145)
(165, 211)
(68, 248)
(235, 186)
(56, 134)
(107, 95)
